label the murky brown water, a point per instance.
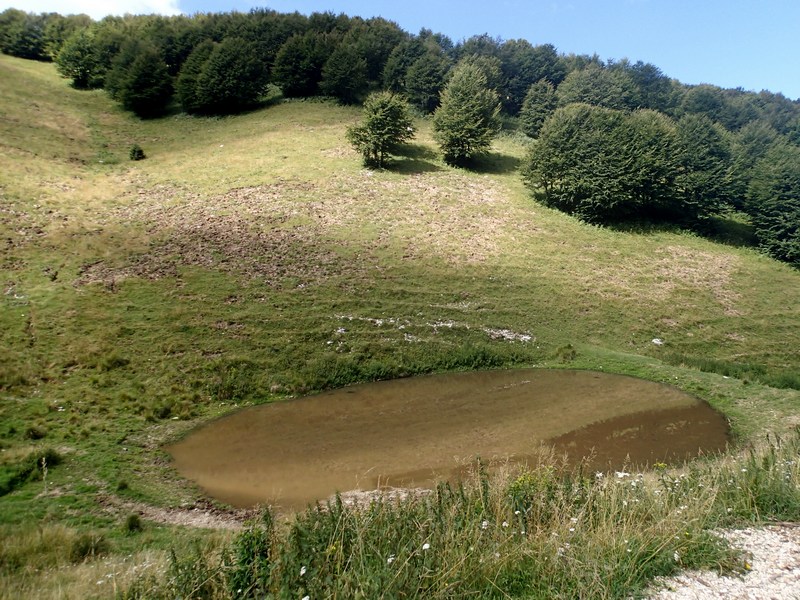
(413, 432)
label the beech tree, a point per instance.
(425, 79)
(232, 79)
(774, 202)
(468, 117)
(605, 165)
(344, 75)
(386, 125)
(78, 60)
(540, 102)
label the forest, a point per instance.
(615, 140)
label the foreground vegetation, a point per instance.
(142, 298)
(540, 533)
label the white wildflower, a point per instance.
(425, 546)
(302, 571)
(390, 560)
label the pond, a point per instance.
(416, 431)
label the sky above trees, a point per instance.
(729, 43)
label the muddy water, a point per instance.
(412, 432)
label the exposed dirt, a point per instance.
(299, 229)
(200, 514)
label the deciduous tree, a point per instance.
(540, 102)
(467, 119)
(385, 126)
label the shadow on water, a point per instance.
(417, 431)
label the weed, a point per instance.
(136, 153)
(133, 524)
(87, 546)
(35, 432)
(32, 466)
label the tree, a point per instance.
(186, 87)
(425, 79)
(233, 78)
(706, 179)
(78, 61)
(298, 64)
(399, 61)
(148, 88)
(467, 119)
(774, 202)
(344, 75)
(58, 29)
(655, 90)
(600, 86)
(540, 102)
(386, 125)
(22, 34)
(522, 66)
(605, 165)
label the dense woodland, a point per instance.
(612, 141)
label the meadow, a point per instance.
(252, 259)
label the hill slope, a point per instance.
(251, 257)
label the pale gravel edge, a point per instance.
(773, 555)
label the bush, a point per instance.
(137, 153)
(133, 524)
(88, 546)
(386, 125)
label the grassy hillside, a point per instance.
(252, 258)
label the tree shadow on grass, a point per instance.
(413, 159)
(731, 230)
(728, 229)
(493, 163)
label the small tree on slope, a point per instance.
(386, 125)
(467, 119)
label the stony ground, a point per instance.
(774, 572)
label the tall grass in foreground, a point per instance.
(542, 532)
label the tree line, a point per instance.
(610, 140)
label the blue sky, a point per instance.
(754, 44)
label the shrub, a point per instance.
(133, 524)
(88, 546)
(137, 153)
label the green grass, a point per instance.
(142, 298)
(540, 533)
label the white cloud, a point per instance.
(96, 10)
